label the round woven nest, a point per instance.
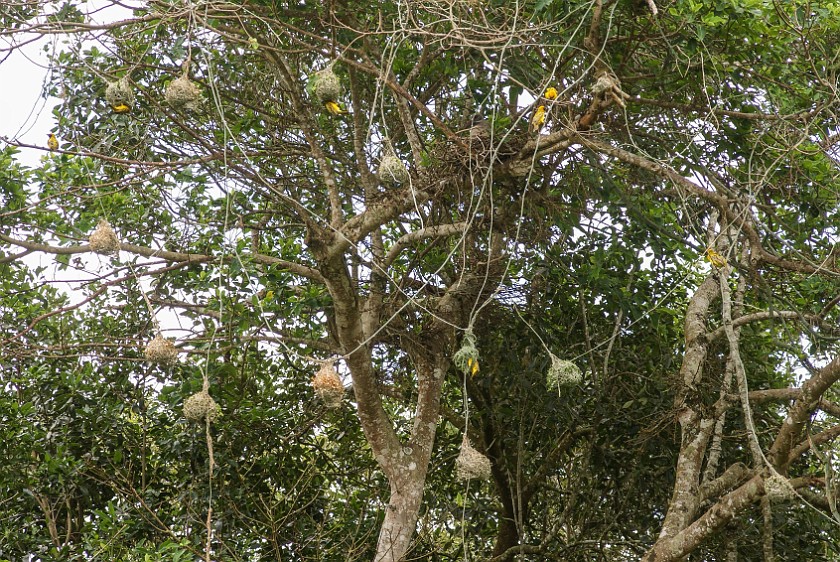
(328, 386)
(325, 85)
(201, 406)
(104, 240)
(161, 351)
(471, 464)
(562, 373)
(119, 93)
(392, 171)
(778, 488)
(182, 93)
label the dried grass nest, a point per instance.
(161, 350)
(471, 464)
(778, 488)
(392, 171)
(201, 406)
(104, 240)
(119, 93)
(328, 386)
(325, 85)
(608, 86)
(562, 373)
(182, 93)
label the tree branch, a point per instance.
(355, 229)
(730, 478)
(780, 394)
(296, 268)
(822, 437)
(801, 410)
(674, 548)
(436, 231)
(758, 316)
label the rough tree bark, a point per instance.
(684, 529)
(695, 430)
(405, 464)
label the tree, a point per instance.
(360, 187)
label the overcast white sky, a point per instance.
(25, 114)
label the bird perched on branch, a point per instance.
(538, 120)
(52, 142)
(550, 94)
(717, 260)
(120, 108)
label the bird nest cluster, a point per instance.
(328, 386)
(392, 171)
(778, 488)
(325, 85)
(182, 93)
(104, 240)
(471, 464)
(161, 351)
(119, 93)
(201, 406)
(466, 358)
(562, 373)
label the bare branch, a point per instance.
(436, 231)
(166, 255)
(824, 436)
(758, 316)
(730, 478)
(801, 410)
(722, 512)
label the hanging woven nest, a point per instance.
(328, 386)
(471, 464)
(161, 350)
(466, 358)
(201, 406)
(182, 93)
(104, 240)
(119, 93)
(324, 85)
(562, 373)
(392, 171)
(778, 489)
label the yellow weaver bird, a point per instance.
(550, 94)
(717, 260)
(334, 108)
(52, 142)
(538, 120)
(473, 366)
(120, 108)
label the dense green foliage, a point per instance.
(257, 230)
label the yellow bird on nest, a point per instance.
(472, 364)
(550, 94)
(120, 108)
(334, 108)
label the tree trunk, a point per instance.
(400, 519)
(507, 536)
(406, 469)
